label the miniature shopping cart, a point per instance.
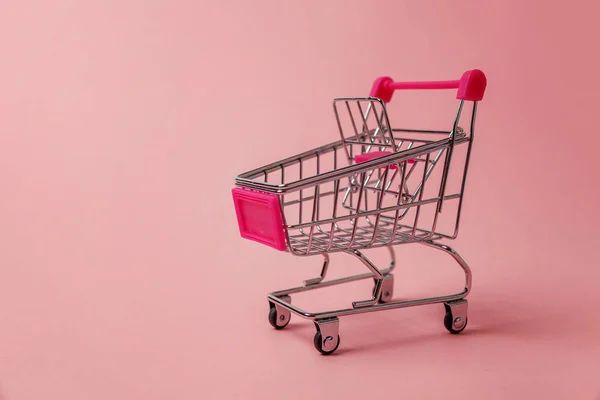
(378, 186)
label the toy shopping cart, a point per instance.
(377, 186)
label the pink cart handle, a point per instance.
(471, 86)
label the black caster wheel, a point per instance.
(279, 317)
(455, 325)
(326, 346)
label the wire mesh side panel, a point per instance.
(387, 205)
(365, 129)
(363, 125)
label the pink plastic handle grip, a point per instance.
(471, 86)
(424, 85)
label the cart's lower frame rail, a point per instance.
(327, 340)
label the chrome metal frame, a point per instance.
(371, 205)
(360, 307)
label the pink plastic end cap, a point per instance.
(259, 217)
(472, 86)
(382, 89)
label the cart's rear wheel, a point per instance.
(455, 319)
(450, 323)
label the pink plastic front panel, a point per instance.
(259, 217)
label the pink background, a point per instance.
(124, 122)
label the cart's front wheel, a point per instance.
(327, 338)
(279, 316)
(326, 345)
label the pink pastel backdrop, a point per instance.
(123, 124)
